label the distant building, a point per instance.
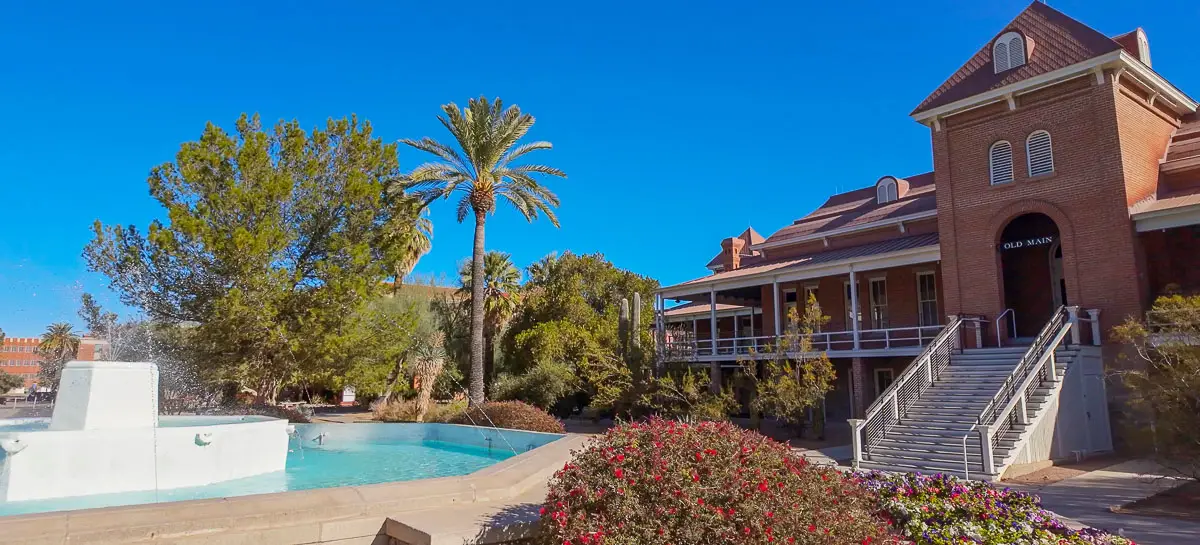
(19, 355)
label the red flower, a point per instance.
(618, 473)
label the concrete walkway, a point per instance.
(1086, 499)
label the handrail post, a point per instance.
(929, 369)
(985, 449)
(895, 406)
(978, 335)
(1073, 317)
(1050, 370)
(1094, 316)
(957, 341)
(1022, 410)
(856, 425)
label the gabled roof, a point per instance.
(859, 208)
(1058, 41)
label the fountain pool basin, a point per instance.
(319, 456)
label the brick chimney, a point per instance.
(731, 252)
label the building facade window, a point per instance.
(789, 306)
(1039, 153)
(879, 310)
(1000, 163)
(852, 314)
(1008, 52)
(884, 377)
(927, 299)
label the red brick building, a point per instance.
(19, 356)
(1066, 176)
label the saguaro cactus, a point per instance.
(635, 332)
(623, 329)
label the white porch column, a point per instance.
(1073, 317)
(775, 295)
(736, 332)
(853, 314)
(714, 367)
(712, 318)
(1094, 317)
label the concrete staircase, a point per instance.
(929, 436)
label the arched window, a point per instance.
(886, 191)
(1008, 52)
(1039, 153)
(1000, 162)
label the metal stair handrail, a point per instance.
(995, 420)
(1028, 359)
(905, 390)
(1043, 370)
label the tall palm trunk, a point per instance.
(477, 300)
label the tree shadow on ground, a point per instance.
(514, 524)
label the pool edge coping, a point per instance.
(315, 508)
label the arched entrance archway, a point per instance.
(1031, 264)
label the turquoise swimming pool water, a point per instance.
(331, 455)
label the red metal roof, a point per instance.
(819, 258)
(859, 207)
(1058, 41)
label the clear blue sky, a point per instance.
(673, 119)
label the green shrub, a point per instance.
(261, 409)
(663, 482)
(944, 510)
(510, 414)
(401, 410)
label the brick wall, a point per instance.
(901, 294)
(1086, 197)
(1172, 257)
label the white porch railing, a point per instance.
(891, 406)
(827, 341)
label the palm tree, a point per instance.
(59, 345)
(414, 233)
(487, 134)
(501, 297)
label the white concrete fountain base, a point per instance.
(103, 439)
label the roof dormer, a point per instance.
(889, 188)
(1009, 51)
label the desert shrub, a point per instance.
(944, 510)
(541, 386)
(510, 414)
(1163, 384)
(262, 409)
(405, 410)
(663, 482)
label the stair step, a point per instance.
(888, 463)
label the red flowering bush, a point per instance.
(515, 415)
(663, 482)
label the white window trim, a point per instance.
(937, 320)
(1005, 62)
(887, 191)
(879, 371)
(873, 303)
(848, 304)
(1029, 152)
(992, 163)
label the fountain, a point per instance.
(106, 436)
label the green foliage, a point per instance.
(513, 415)
(482, 171)
(664, 482)
(274, 242)
(9, 382)
(501, 299)
(60, 344)
(569, 324)
(406, 410)
(1163, 385)
(794, 377)
(542, 386)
